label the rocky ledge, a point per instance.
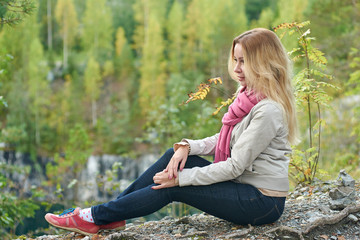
(325, 210)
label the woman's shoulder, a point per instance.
(269, 111)
(268, 106)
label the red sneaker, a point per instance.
(70, 220)
(114, 226)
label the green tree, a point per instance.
(93, 84)
(254, 8)
(97, 37)
(265, 20)
(225, 31)
(65, 170)
(21, 43)
(335, 25)
(175, 30)
(290, 12)
(124, 57)
(198, 27)
(208, 33)
(61, 118)
(38, 88)
(153, 66)
(14, 208)
(12, 12)
(311, 83)
(67, 19)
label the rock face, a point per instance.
(93, 175)
(345, 179)
(308, 215)
(344, 194)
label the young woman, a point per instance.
(248, 181)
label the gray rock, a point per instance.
(341, 197)
(312, 216)
(342, 192)
(122, 236)
(340, 204)
(353, 218)
(183, 220)
(196, 234)
(346, 179)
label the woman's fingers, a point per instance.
(177, 161)
(162, 180)
(172, 168)
(182, 165)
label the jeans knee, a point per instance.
(166, 156)
(169, 153)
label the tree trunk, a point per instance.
(49, 25)
(93, 108)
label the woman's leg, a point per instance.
(235, 202)
(146, 178)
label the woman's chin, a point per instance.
(242, 83)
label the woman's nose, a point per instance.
(237, 68)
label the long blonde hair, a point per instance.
(268, 71)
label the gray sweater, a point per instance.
(259, 152)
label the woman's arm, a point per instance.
(204, 147)
(169, 177)
(263, 127)
(188, 147)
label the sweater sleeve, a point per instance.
(262, 128)
(204, 147)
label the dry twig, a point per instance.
(286, 229)
(333, 219)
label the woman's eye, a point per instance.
(235, 60)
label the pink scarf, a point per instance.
(242, 105)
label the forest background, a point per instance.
(109, 76)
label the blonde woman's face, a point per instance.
(239, 64)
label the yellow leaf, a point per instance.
(307, 172)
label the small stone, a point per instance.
(196, 234)
(183, 220)
(346, 179)
(122, 235)
(353, 218)
(341, 197)
(324, 209)
(177, 235)
(342, 192)
(313, 216)
(138, 222)
(340, 204)
(191, 230)
(166, 218)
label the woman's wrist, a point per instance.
(181, 144)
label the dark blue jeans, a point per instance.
(235, 202)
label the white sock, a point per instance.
(86, 215)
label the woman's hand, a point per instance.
(163, 180)
(177, 161)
